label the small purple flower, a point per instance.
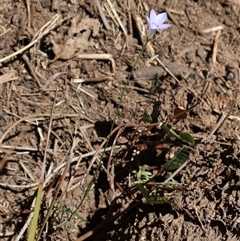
(156, 22)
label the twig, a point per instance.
(111, 16)
(57, 169)
(223, 118)
(7, 77)
(141, 30)
(176, 172)
(200, 221)
(14, 187)
(52, 77)
(99, 148)
(105, 22)
(92, 162)
(75, 142)
(81, 103)
(7, 234)
(48, 138)
(98, 57)
(169, 72)
(213, 29)
(110, 177)
(117, 17)
(21, 148)
(79, 158)
(27, 119)
(105, 141)
(91, 80)
(26, 224)
(175, 11)
(219, 123)
(28, 14)
(216, 41)
(89, 144)
(81, 89)
(130, 28)
(27, 62)
(67, 166)
(27, 171)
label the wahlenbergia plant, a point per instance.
(156, 23)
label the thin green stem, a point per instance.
(125, 86)
(112, 126)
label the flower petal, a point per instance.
(156, 22)
(153, 16)
(148, 19)
(160, 18)
(164, 26)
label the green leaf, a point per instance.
(143, 175)
(180, 157)
(187, 137)
(170, 132)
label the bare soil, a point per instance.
(201, 50)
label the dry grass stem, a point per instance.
(130, 29)
(7, 234)
(169, 179)
(59, 86)
(28, 14)
(213, 29)
(103, 17)
(26, 224)
(21, 148)
(215, 46)
(98, 57)
(76, 140)
(29, 173)
(78, 159)
(28, 119)
(32, 71)
(117, 17)
(111, 16)
(16, 187)
(83, 90)
(47, 140)
(218, 125)
(46, 29)
(142, 32)
(52, 78)
(111, 175)
(8, 77)
(175, 11)
(168, 71)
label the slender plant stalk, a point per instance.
(33, 226)
(37, 208)
(86, 192)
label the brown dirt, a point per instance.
(209, 207)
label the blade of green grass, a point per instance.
(34, 222)
(33, 226)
